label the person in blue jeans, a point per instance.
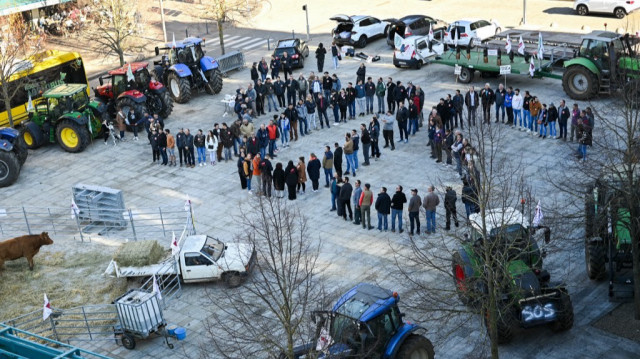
(350, 93)
(552, 117)
(544, 121)
(285, 126)
(397, 203)
(383, 207)
(335, 190)
(356, 147)
(430, 203)
(327, 164)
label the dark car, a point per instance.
(295, 48)
(412, 25)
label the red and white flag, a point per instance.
(74, 209)
(521, 46)
(156, 289)
(507, 46)
(46, 309)
(187, 205)
(430, 32)
(537, 219)
(532, 67)
(175, 249)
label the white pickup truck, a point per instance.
(415, 51)
(201, 259)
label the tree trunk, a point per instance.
(121, 56)
(635, 250)
(220, 35)
(7, 104)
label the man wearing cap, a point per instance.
(431, 201)
(414, 211)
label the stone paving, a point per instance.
(351, 254)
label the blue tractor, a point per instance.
(184, 68)
(13, 154)
(366, 323)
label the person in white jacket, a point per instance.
(212, 145)
(517, 109)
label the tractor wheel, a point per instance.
(460, 279)
(233, 280)
(128, 341)
(160, 103)
(580, 83)
(564, 312)
(126, 104)
(214, 86)
(32, 135)
(20, 149)
(416, 347)
(9, 168)
(71, 136)
(466, 75)
(595, 258)
(506, 324)
(179, 88)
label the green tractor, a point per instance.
(64, 115)
(608, 236)
(606, 61)
(527, 296)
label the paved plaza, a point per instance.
(350, 253)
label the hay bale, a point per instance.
(139, 253)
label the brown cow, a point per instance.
(25, 246)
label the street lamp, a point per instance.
(306, 11)
(524, 12)
(164, 28)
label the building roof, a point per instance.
(64, 90)
(135, 66)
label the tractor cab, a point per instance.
(117, 81)
(188, 51)
(63, 99)
(606, 48)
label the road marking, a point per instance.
(261, 43)
(237, 41)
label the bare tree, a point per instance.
(17, 42)
(268, 314)
(223, 11)
(116, 25)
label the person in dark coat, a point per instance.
(313, 168)
(265, 172)
(361, 73)
(344, 199)
(383, 207)
(155, 146)
(450, 199)
(162, 146)
(254, 73)
(291, 179)
(253, 145)
(337, 159)
(278, 180)
(240, 164)
(320, 53)
(469, 198)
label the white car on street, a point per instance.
(468, 29)
(415, 51)
(358, 30)
(619, 8)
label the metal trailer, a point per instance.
(140, 316)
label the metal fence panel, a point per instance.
(230, 61)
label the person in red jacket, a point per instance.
(272, 130)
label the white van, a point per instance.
(415, 51)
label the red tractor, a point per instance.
(131, 86)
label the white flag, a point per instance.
(130, 76)
(30, 104)
(175, 249)
(540, 47)
(397, 41)
(521, 46)
(74, 209)
(187, 204)
(174, 41)
(455, 40)
(430, 32)
(532, 67)
(325, 340)
(537, 219)
(507, 46)
(46, 309)
(156, 289)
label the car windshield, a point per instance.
(213, 248)
(509, 233)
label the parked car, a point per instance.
(416, 51)
(358, 30)
(414, 25)
(468, 29)
(619, 8)
(295, 48)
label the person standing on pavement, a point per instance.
(526, 113)
(361, 73)
(266, 169)
(414, 211)
(471, 100)
(374, 133)
(448, 143)
(247, 170)
(279, 90)
(348, 153)
(387, 130)
(306, 115)
(275, 66)
(327, 164)
(366, 199)
(355, 197)
(320, 54)
(564, 114)
(335, 54)
(171, 148)
(500, 94)
(397, 203)
(383, 207)
(469, 198)
(399, 93)
(350, 93)
(263, 140)
(190, 156)
(180, 143)
(212, 145)
(155, 150)
(303, 87)
(552, 117)
(313, 169)
(286, 65)
(263, 68)
(369, 92)
(273, 132)
(516, 104)
(162, 146)
(438, 140)
(360, 98)
(301, 168)
(365, 138)
(226, 139)
(337, 159)
(391, 100)
(402, 117)
(535, 108)
(254, 73)
(575, 114)
(291, 179)
(450, 199)
(256, 178)
(458, 104)
(292, 115)
(456, 148)
(508, 105)
(487, 98)
(381, 89)
(279, 180)
(335, 192)
(292, 89)
(344, 199)
(431, 201)
(327, 84)
(321, 107)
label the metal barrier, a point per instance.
(140, 223)
(230, 61)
